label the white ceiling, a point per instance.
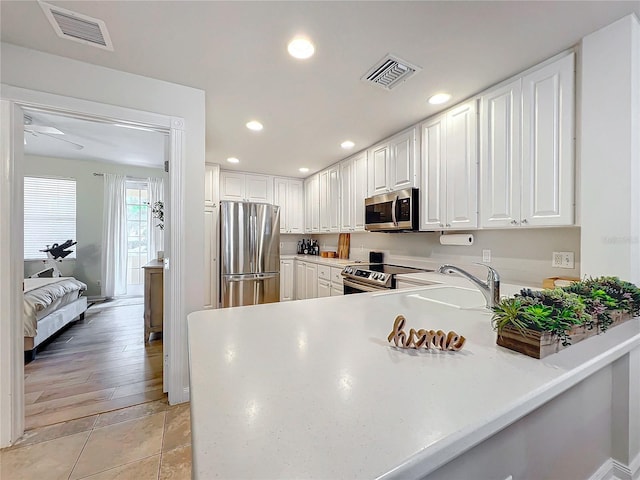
(236, 52)
(99, 141)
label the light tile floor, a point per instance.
(147, 441)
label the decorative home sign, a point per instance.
(424, 338)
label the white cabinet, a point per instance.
(337, 287)
(353, 191)
(246, 187)
(329, 197)
(211, 195)
(526, 160)
(286, 280)
(448, 195)
(324, 288)
(311, 280)
(547, 145)
(288, 196)
(393, 163)
(312, 204)
(300, 280)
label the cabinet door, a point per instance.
(324, 288)
(379, 169)
(500, 158)
(280, 190)
(336, 290)
(286, 280)
(311, 280)
(462, 167)
(301, 280)
(359, 172)
(295, 207)
(232, 186)
(307, 205)
(324, 201)
(259, 188)
(211, 184)
(346, 196)
(402, 164)
(334, 199)
(547, 145)
(210, 257)
(433, 182)
(312, 204)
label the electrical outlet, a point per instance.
(486, 256)
(562, 260)
(98, 283)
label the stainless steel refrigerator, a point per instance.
(249, 253)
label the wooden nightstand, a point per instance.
(153, 297)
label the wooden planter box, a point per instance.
(540, 344)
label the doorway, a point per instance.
(11, 267)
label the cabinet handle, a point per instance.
(448, 225)
(524, 220)
(514, 222)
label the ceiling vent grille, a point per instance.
(77, 27)
(390, 72)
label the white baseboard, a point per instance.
(612, 469)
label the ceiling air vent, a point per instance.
(77, 27)
(390, 72)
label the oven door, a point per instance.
(352, 286)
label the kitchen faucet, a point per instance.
(490, 289)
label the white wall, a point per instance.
(87, 266)
(43, 72)
(610, 150)
(519, 255)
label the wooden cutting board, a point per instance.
(344, 240)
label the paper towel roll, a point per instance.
(456, 239)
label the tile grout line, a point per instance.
(80, 454)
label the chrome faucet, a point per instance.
(490, 289)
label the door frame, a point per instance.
(12, 101)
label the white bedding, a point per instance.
(42, 293)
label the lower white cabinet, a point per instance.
(286, 280)
(311, 280)
(324, 288)
(210, 257)
(301, 287)
(337, 287)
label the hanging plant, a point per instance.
(158, 212)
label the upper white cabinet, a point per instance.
(353, 191)
(448, 196)
(526, 160)
(288, 195)
(246, 187)
(211, 184)
(393, 163)
(312, 204)
(329, 197)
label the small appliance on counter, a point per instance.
(376, 257)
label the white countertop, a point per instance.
(312, 389)
(332, 262)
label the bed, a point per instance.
(49, 305)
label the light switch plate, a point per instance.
(486, 256)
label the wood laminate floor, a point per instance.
(98, 364)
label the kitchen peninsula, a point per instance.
(312, 389)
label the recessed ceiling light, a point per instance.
(254, 125)
(233, 160)
(439, 98)
(303, 169)
(301, 48)
(347, 144)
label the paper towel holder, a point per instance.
(461, 239)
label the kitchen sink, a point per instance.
(452, 296)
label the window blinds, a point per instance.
(49, 214)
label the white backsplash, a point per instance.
(520, 255)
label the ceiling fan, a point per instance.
(47, 131)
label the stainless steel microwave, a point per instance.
(392, 212)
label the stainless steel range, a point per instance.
(373, 277)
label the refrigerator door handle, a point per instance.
(249, 277)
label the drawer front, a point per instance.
(324, 272)
(336, 275)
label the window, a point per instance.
(49, 214)
(137, 232)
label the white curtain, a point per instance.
(114, 236)
(156, 234)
